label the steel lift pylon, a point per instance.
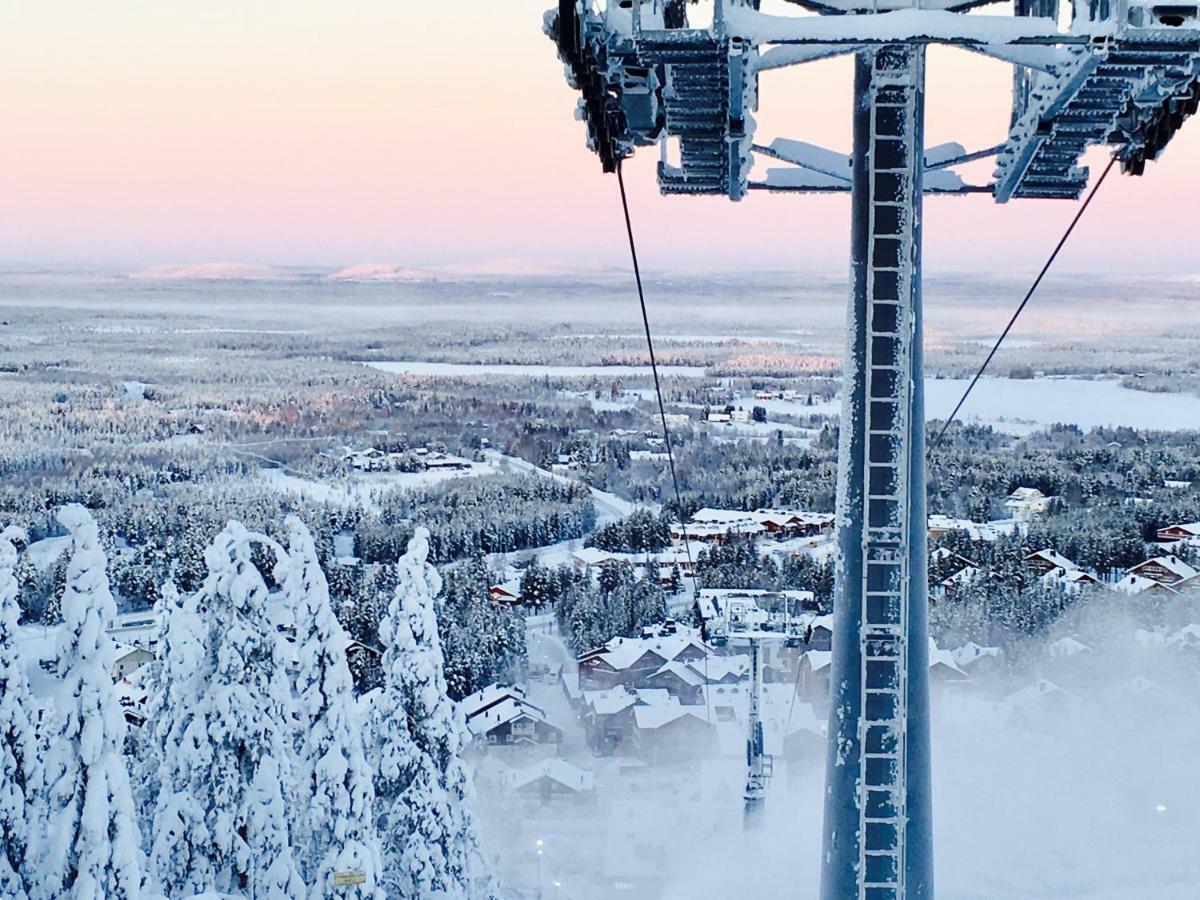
(1121, 73)
(739, 621)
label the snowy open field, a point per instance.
(364, 489)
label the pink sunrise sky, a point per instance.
(434, 133)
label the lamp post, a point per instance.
(539, 846)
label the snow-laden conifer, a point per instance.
(240, 768)
(430, 841)
(172, 735)
(17, 738)
(336, 793)
(150, 739)
(90, 840)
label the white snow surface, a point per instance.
(1020, 406)
(364, 489)
(461, 370)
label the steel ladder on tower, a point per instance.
(895, 154)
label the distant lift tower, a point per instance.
(1123, 73)
(741, 622)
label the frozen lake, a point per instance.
(1017, 406)
(459, 370)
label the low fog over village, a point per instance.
(454, 550)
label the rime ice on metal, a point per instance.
(1123, 73)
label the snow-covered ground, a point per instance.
(416, 367)
(363, 489)
(1018, 406)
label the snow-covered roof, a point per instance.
(1072, 576)
(1056, 559)
(132, 691)
(507, 710)
(1191, 528)
(1172, 564)
(623, 652)
(654, 696)
(1067, 646)
(963, 576)
(146, 618)
(944, 658)
(819, 660)
(825, 622)
(511, 588)
(684, 672)
(1026, 494)
(120, 650)
(942, 553)
(702, 530)
(660, 714)
(709, 514)
(557, 770)
(976, 531)
(594, 556)
(609, 702)
(970, 652)
(717, 668)
(493, 693)
(779, 517)
(1137, 584)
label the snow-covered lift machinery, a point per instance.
(740, 621)
(1122, 73)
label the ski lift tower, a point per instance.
(740, 621)
(1122, 73)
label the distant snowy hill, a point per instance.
(211, 271)
(495, 268)
(375, 272)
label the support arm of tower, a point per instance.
(909, 26)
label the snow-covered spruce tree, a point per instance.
(17, 738)
(239, 763)
(430, 845)
(335, 788)
(90, 846)
(148, 747)
(174, 730)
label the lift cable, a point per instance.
(791, 706)
(1036, 282)
(662, 410)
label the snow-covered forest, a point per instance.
(409, 543)
(256, 770)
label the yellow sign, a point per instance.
(344, 879)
